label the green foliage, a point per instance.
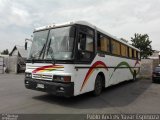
(143, 43)
(5, 52)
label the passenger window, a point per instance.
(124, 50)
(103, 43)
(130, 52)
(135, 54)
(115, 47)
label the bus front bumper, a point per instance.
(58, 89)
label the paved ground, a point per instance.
(130, 97)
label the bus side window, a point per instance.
(130, 52)
(103, 43)
(135, 56)
(115, 47)
(124, 50)
(85, 46)
(85, 43)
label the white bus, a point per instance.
(77, 57)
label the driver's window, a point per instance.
(85, 46)
(85, 43)
(89, 44)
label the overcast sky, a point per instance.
(121, 18)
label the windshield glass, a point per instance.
(59, 45)
(38, 45)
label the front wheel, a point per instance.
(98, 86)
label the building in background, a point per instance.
(155, 55)
(3, 63)
(19, 51)
(148, 65)
(156, 58)
(18, 57)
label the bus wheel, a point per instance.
(98, 86)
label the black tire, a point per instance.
(98, 86)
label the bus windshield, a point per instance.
(54, 44)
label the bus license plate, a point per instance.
(40, 86)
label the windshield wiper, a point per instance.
(41, 51)
(53, 60)
(48, 51)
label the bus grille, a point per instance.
(42, 77)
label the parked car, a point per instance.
(156, 74)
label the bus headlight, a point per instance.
(28, 75)
(62, 78)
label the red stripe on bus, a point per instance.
(90, 71)
(45, 67)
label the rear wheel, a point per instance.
(98, 86)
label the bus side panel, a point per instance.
(85, 77)
(115, 70)
(82, 83)
(120, 69)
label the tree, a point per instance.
(5, 52)
(143, 43)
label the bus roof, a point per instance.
(86, 24)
